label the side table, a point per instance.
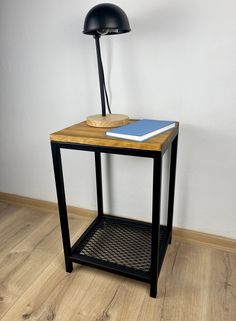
(124, 246)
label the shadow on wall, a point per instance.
(110, 183)
(166, 20)
(150, 23)
(147, 31)
(203, 171)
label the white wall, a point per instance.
(178, 63)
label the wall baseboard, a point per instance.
(215, 241)
(44, 205)
(182, 234)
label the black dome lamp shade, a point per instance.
(105, 19)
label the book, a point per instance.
(141, 130)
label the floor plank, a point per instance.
(197, 283)
(27, 260)
(222, 286)
(16, 224)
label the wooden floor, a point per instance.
(197, 283)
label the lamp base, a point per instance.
(110, 120)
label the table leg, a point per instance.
(56, 155)
(156, 203)
(172, 186)
(98, 168)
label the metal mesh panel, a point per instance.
(119, 242)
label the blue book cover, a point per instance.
(141, 129)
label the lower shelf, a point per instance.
(119, 245)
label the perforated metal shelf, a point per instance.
(119, 245)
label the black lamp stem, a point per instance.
(101, 75)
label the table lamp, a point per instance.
(102, 20)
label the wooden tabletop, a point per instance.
(81, 133)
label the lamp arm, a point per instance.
(101, 74)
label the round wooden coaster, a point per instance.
(110, 120)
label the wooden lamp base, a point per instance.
(110, 120)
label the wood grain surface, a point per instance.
(197, 283)
(110, 120)
(83, 134)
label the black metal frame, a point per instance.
(158, 248)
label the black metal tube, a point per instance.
(56, 156)
(172, 185)
(156, 206)
(98, 168)
(101, 75)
